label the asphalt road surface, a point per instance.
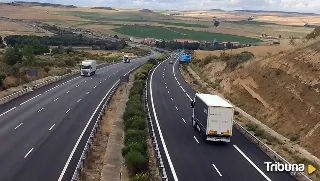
(186, 156)
(39, 131)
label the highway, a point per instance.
(186, 156)
(39, 130)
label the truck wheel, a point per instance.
(203, 135)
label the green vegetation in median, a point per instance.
(135, 126)
(179, 33)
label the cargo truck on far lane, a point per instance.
(88, 67)
(212, 116)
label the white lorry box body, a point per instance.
(126, 59)
(88, 67)
(212, 117)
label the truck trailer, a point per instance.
(88, 67)
(126, 59)
(212, 116)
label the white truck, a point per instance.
(212, 116)
(88, 67)
(126, 59)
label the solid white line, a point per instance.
(79, 100)
(28, 153)
(182, 89)
(8, 111)
(255, 166)
(183, 120)
(195, 139)
(41, 109)
(159, 129)
(55, 99)
(217, 170)
(176, 108)
(68, 111)
(30, 99)
(188, 96)
(51, 127)
(18, 125)
(80, 137)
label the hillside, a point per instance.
(281, 90)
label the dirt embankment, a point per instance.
(282, 91)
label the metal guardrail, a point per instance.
(41, 84)
(272, 154)
(94, 130)
(160, 163)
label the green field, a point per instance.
(179, 33)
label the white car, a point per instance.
(170, 62)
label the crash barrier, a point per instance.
(89, 143)
(155, 144)
(265, 148)
(43, 83)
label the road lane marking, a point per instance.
(85, 81)
(196, 139)
(87, 93)
(55, 100)
(84, 130)
(68, 111)
(183, 120)
(255, 166)
(18, 125)
(171, 98)
(182, 89)
(51, 127)
(67, 92)
(188, 96)
(28, 153)
(94, 87)
(217, 170)
(176, 108)
(166, 87)
(30, 99)
(7, 111)
(79, 100)
(41, 109)
(159, 129)
(168, 92)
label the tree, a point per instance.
(1, 40)
(216, 23)
(12, 55)
(116, 36)
(27, 53)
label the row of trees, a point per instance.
(1, 43)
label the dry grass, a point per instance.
(258, 51)
(12, 26)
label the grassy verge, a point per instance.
(138, 149)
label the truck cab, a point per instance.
(126, 59)
(88, 68)
(212, 116)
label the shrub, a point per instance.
(136, 162)
(139, 147)
(136, 123)
(134, 136)
(140, 177)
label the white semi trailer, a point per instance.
(212, 116)
(88, 67)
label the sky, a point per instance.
(309, 6)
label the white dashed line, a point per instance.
(168, 92)
(171, 98)
(94, 87)
(77, 86)
(179, 83)
(51, 127)
(176, 108)
(217, 170)
(182, 89)
(68, 111)
(188, 96)
(183, 120)
(91, 78)
(87, 93)
(55, 100)
(8, 111)
(79, 100)
(18, 125)
(30, 99)
(255, 166)
(41, 109)
(67, 92)
(166, 87)
(100, 82)
(85, 81)
(196, 139)
(28, 153)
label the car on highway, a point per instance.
(170, 62)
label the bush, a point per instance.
(136, 162)
(134, 136)
(139, 147)
(140, 177)
(239, 58)
(136, 123)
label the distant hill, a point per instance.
(146, 11)
(105, 8)
(284, 12)
(216, 10)
(23, 3)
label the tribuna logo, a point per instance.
(280, 167)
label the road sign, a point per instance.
(187, 57)
(33, 73)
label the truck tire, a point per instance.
(203, 136)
